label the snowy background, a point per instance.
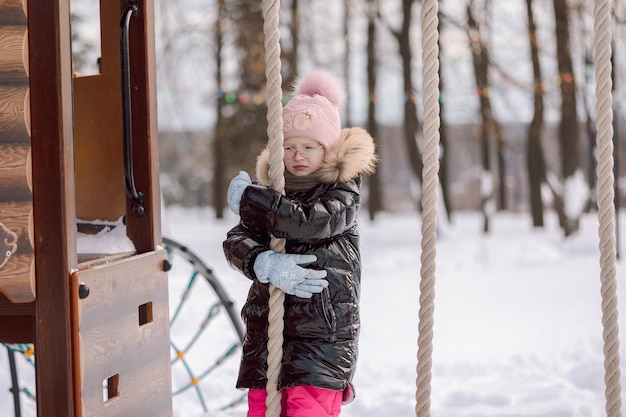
(517, 319)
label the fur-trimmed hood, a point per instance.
(354, 154)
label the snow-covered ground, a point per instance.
(517, 319)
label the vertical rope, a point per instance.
(606, 209)
(430, 59)
(606, 214)
(277, 182)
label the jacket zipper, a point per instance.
(329, 312)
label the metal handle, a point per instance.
(127, 116)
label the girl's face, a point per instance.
(303, 156)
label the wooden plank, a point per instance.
(17, 281)
(87, 260)
(13, 129)
(7, 308)
(17, 329)
(13, 59)
(116, 339)
(15, 173)
(14, 184)
(144, 231)
(100, 193)
(19, 267)
(14, 115)
(17, 217)
(16, 156)
(12, 12)
(17, 273)
(12, 99)
(50, 78)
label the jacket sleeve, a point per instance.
(241, 248)
(332, 213)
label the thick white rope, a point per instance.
(277, 182)
(430, 59)
(606, 209)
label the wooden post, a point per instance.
(53, 202)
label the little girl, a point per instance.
(321, 269)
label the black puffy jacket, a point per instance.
(320, 333)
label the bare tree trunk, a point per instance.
(248, 121)
(290, 67)
(569, 129)
(586, 90)
(443, 138)
(590, 130)
(481, 67)
(219, 191)
(375, 195)
(347, 17)
(534, 154)
(502, 200)
(411, 123)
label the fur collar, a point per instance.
(354, 154)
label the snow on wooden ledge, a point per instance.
(111, 239)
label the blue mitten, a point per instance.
(284, 271)
(235, 190)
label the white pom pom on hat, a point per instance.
(313, 111)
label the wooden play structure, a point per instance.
(82, 149)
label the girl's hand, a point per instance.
(284, 271)
(235, 190)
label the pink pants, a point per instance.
(305, 401)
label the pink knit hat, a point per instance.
(313, 112)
